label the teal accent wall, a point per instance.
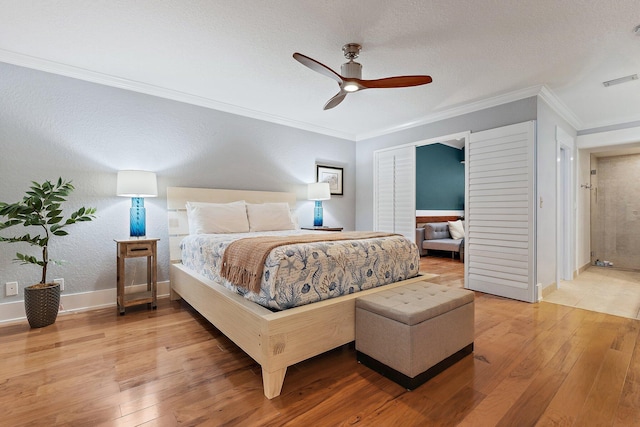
(439, 178)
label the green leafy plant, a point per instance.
(41, 207)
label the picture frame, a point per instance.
(332, 175)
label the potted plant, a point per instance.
(41, 208)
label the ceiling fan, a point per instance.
(350, 77)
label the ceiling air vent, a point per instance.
(620, 80)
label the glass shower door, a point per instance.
(615, 211)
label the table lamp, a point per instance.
(137, 185)
(318, 191)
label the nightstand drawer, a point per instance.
(139, 249)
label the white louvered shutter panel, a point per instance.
(501, 208)
(383, 193)
(394, 191)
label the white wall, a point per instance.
(547, 188)
(53, 126)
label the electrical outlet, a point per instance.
(61, 282)
(11, 289)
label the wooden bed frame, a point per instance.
(275, 340)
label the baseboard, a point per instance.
(14, 311)
(547, 290)
(581, 270)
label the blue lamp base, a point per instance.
(137, 214)
(317, 214)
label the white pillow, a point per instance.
(294, 220)
(209, 218)
(269, 217)
(456, 229)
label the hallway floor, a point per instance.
(601, 289)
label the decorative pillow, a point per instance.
(269, 217)
(294, 220)
(456, 229)
(210, 218)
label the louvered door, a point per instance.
(500, 212)
(394, 191)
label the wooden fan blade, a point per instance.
(400, 81)
(317, 66)
(335, 100)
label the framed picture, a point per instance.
(332, 175)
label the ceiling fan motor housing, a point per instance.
(351, 69)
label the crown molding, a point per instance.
(458, 111)
(560, 108)
(597, 126)
(135, 86)
(539, 90)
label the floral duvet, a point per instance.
(300, 274)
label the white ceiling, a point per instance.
(236, 55)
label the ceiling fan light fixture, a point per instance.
(350, 87)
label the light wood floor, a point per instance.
(601, 289)
(534, 364)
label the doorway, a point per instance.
(615, 211)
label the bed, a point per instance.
(274, 339)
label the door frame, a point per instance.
(565, 206)
(464, 136)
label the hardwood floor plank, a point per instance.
(410, 407)
(456, 408)
(531, 404)
(570, 398)
(605, 394)
(448, 383)
(628, 413)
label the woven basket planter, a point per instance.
(41, 305)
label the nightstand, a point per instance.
(134, 248)
(322, 228)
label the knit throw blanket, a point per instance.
(243, 260)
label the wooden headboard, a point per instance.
(177, 198)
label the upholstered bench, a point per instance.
(413, 332)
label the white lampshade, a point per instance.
(137, 184)
(319, 191)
